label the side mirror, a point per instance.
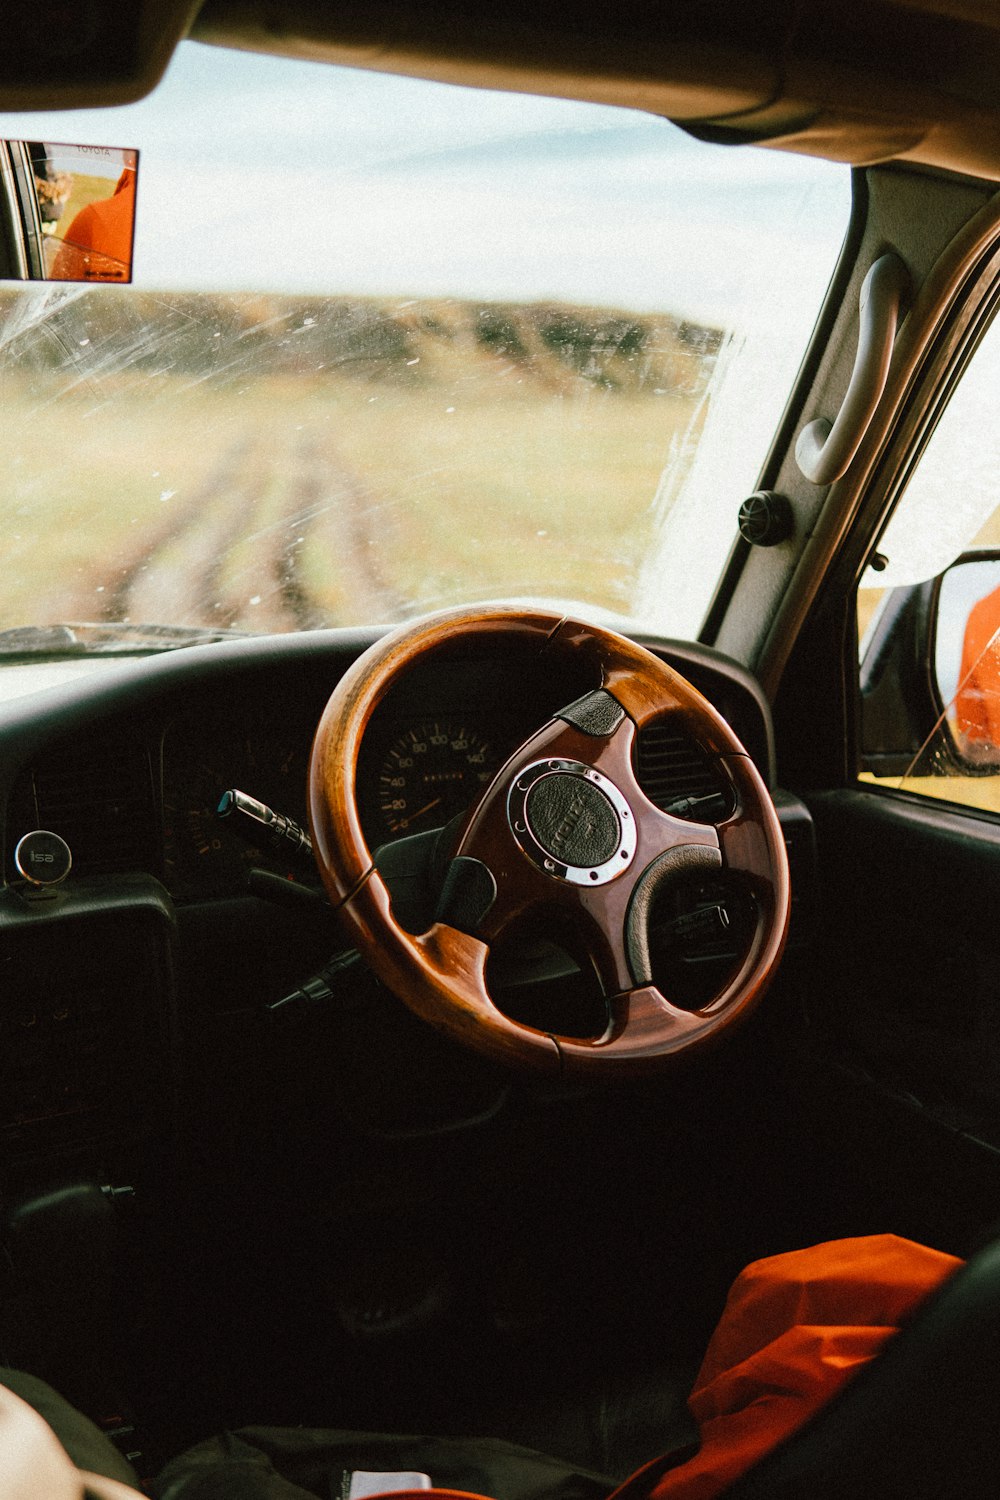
(930, 675)
(77, 209)
(967, 659)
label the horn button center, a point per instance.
(571, 821)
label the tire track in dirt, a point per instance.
(111, 590)
(173, 573)
(231, 554)
(330, 486)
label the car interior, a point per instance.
(312, 1118)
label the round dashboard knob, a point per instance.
(766, 518)
(43, 858)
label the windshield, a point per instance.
(393, 345)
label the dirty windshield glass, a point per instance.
(392, 345)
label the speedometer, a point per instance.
(432, 771)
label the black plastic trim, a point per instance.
(684, 862)
(598, 713)
(469, 891)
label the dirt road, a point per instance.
(247, 548)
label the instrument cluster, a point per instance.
(429, 750)
(416, 773)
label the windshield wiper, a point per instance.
(80, 638)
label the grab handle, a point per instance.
(823, 450)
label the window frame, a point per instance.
(817, 696)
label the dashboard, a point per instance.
(129, 765)
(116, 984)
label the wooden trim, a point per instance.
(441, 974)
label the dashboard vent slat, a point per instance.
(671, 767)
(99, 799)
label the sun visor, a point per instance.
(75, 56)
(725, 61)
(860, 81)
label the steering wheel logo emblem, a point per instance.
(571, 822)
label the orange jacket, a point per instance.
(98, 244)
(977, 702)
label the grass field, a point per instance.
(223, 473)
(967, 791)
(86, 189)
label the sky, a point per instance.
(270, 174)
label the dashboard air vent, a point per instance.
(678, 777)
(98, 796)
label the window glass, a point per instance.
(393, 345)
(929, 621)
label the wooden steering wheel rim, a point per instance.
(440, 974)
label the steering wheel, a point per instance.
(563, 828)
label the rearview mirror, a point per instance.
(78, 209)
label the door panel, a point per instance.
(898, 1064)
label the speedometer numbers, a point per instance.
(435, 769)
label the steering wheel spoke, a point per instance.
(745, 838)
(640, 1020)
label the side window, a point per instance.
(929, 620)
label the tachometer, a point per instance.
(431, 772)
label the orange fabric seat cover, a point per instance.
(795, 1328)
